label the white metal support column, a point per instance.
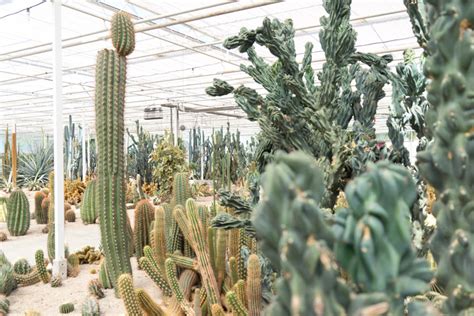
(59, 262)
(84, 153)
(176, 131)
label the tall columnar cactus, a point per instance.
(254, 285)
(88, 207)
(109, 109)
(447, 163)
(18, 216)
(41, 215)
(41, 267)
(128, 295)
(144, 214)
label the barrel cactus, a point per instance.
(41, 214)
(21, 266)
(88, 207)
(109, 109)
(66, 308)
(70, 216)
(18, 217)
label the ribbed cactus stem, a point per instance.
(240, 289)
(220, 256)
(237, 306)
(174, 284)
(39, 260)
(27, 279)
(212, 245)
(234, 270)
(200, 248)
(148, 305)
(144, 214)
(169, 222)
(109, 108)
(240, 260)
(216, 310)
(123, 34)
(18, 216)
(159, 237)
(88, 207)
(41, 216)
(155, 275)
(197, 302)
(182, 221)
(254, 285)
(185, 262)
(128, 295)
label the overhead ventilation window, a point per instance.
(153, 113)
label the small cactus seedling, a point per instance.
(95, 289)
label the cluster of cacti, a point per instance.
(109, 110)
(144, 215)
(18, 217)
(21, 266)
(90, 307)
(8, 282)
(447, 161)
(88, 206)
(88, 255)
(4, 306)
(41, 213)
(196, 279)
(95, 289)
(66, 308)
(74, 191)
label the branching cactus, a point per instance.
(374, 236)
(18, 216)
(109, 108)
(88, 207)
(447, 163)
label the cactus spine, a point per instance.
(128, 295)
(144, 214)
(109, 109)
(148, 305)
(18, 216)
(447, 162)
(40, 213)
(88, 207)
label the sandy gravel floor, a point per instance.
(45, 299)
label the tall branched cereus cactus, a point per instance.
(109, 107)
(448, 161)
(296, 114)
(370, 240)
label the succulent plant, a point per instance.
(7, 280)
(4, 305)
(70, 216)
(447, 161)
(95, 289)
(56, 281)
(66, 308)
(41, 214)
(104, 277)
(128, 295)
(111, 188)
(41, 267)
(88, 207)
(144, 215)
(18, 217)
(90, 307)
(21, 266)
(3, 236)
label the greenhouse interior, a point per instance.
(224, 157)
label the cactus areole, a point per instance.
(111, 187)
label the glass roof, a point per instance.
(173, 62)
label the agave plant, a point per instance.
(35, 166)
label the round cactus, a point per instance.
(66, 308)
(3, 236)
(18, 217)
(70, 216)
(40, 213)
(22, 266)
(123, 34)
